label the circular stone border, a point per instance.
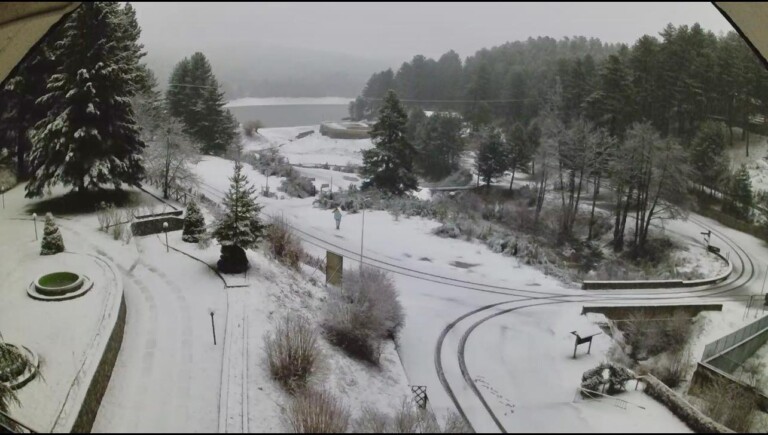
(29, 374)
(61, 290)
(34, 294)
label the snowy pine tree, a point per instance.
(194, 224)
(240, 228)
(52, 242)
(740, 202)
(389, 165)
(89, 137)
(492, 157)
(194, 97)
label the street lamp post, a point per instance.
(165, 229)
(362, 234)
(34, 219)
(213, 327)
(2, 191)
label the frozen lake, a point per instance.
(289, 112)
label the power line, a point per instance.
(458, 101)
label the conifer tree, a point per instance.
(492, 159)
(389, 165)
(89, 137)
(194, 223)
(740, 203)
(240, 228)
(194, 97)
(52, 242)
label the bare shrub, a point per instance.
(728, 404)
(318, 411)
(251, 128)
(647, 333)
(371, 420)
(407, 419)
(363, 312)
(671, 368)
(283, 244)
(454, 423)
(292, 352)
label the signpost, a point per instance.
(582, 340)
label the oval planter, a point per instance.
(47, 290)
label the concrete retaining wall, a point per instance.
(623, 311)
(83, 399)
(686, 412)
(155, 226)
(705, 373)
(664, 283)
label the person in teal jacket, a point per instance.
(337, 216)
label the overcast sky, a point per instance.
(397, 31)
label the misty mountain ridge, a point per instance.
(257, 70)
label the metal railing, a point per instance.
(9, 424)
(724, 343)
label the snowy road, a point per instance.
(463, 357)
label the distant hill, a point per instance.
(255, 70)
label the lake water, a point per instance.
(289, 115)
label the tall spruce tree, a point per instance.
(439, 144)
(240, 228)
(194, 223)
(492, 156)
(89, 137)
(389, 164)
(194, 97)
(740, 202)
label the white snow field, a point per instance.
(442, 279)
(314, 149)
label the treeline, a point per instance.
(83, 110)
(674, 81)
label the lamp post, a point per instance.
(213, 326)
(2, 191)
(34, 219)
(165, 229)
(362, 234)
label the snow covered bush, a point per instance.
(648, 333)
(671, 367)
(362, 313)
(292, 352)
(194, 223)
(251, 128)
(52, 242)
(318, 411)
(297, 186)
(283, 244)
(407, 419)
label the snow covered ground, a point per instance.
(314, 149)
(443, 279)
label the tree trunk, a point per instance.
(513, 178)
(21, 167)
(592, 214)
(747, 133)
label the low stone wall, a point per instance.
(663, 283)
(155, 226)
(83, 399)
(692, 417)
(100, 381)
(623, 311)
